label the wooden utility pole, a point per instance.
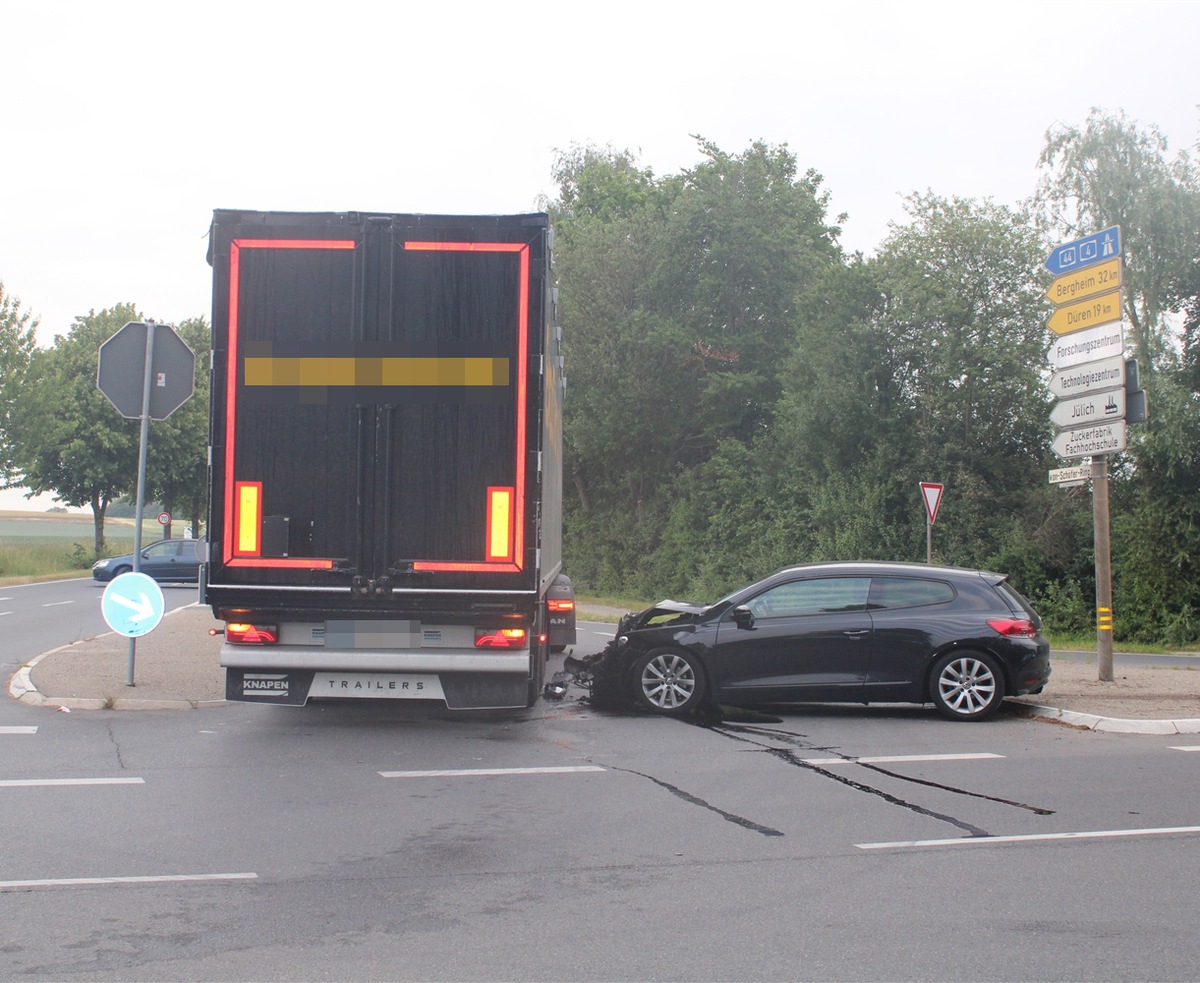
(1104, 612)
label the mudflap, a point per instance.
(288, 687)
(485, 690)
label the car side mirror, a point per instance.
(743, 617)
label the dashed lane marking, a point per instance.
(111, 881)
(894, 758)
(1031, 838)
(42, 782)
(487, 772)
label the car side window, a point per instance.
(824, 595)
(908, 592)
(162, 551)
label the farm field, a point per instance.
(51, 545)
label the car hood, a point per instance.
(685, 611)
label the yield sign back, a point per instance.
(932, 493)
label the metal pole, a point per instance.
(1104, 612)
(928, 540)
(141, 481)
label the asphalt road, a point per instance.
(36, 618)
(400, 842)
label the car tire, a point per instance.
(966, 686)
(120, 571)
(668, 681)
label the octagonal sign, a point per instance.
(121, 373)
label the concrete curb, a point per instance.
(1111, 725)
(22, 689)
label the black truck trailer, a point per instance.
(385, 494)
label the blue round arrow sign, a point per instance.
(132, 604)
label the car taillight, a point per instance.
(1013, 626)
(499, 638)
(241, 633)
(553, 605)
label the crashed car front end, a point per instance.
(606, 673)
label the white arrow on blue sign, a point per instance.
(1103, 245)
(132, 604)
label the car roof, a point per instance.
(887, 567)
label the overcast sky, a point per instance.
(124, 124)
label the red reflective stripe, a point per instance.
(434, 566)
(295, 243)
(228, 538)
(522, 407)
(516, 561)
(467, 247)
(294, 563)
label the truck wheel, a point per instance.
(668, 681)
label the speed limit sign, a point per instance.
(164, 518)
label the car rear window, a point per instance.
(1016, 600)
(907, 592)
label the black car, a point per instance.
(168, 561)
(834, 632)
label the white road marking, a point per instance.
(1031, 838)
(1190, 747)
(107, 881)
(893, 758)
(57, 604)
(18, 730)
(483, 772)
(40, 782)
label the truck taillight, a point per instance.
(499, 638)
(241, 633)
(559, 606)
(1021, 627)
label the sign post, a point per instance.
(931, 493)
(166, 367)
(1088, 356)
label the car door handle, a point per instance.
(857, 634)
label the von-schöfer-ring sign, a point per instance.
(1089, 313)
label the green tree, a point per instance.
(18, 329)
(1113, 171)
(678, 302)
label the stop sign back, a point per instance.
(121, 373)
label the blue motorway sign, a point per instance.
(132, 604)
(1103, 245)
